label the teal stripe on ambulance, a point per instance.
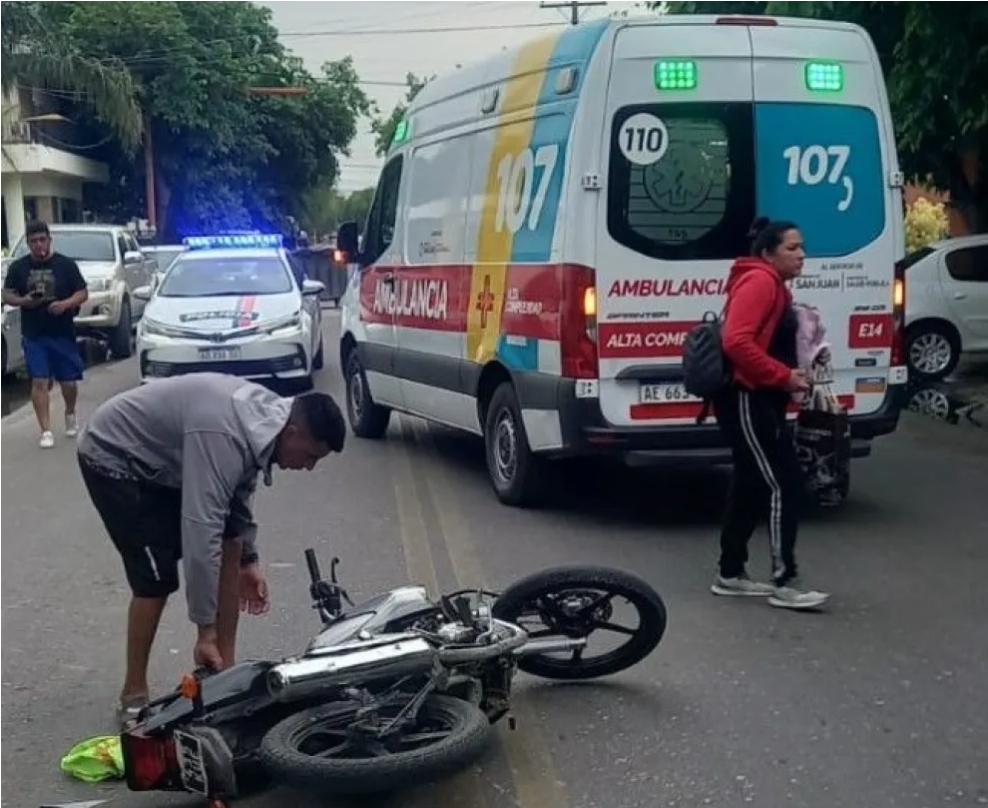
(574, 49)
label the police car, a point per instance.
(233, 304)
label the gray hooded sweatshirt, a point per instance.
(209, 435)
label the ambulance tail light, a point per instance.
(740, 19)
(578, 323)
(899, 315)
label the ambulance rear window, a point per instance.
(681, 180)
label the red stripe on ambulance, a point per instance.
(691, 409)
(643, 340)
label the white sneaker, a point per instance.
(71, 427)
(47, 440)
(742, 586)
(791, 596)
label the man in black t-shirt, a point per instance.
(49, 289)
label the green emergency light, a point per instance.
(675, 74)
(824, 77)
(401, 133)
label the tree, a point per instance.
(325, 209)
(935, 63)
(224, 158)
(36, 56)
(384, 128)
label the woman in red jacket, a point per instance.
(759, 339)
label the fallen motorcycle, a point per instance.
(395, 691)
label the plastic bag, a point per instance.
(95, 759)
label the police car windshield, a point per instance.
(199, 276)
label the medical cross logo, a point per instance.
(485, 301)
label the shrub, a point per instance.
(926, 222)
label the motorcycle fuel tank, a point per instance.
(373, 616)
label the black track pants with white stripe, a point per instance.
(767, 482)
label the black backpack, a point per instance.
(706, 369)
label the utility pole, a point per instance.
(574, 7)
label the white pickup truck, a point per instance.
(114, 266)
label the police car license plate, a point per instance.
(219, 354)
(192, 766)
(664, 394)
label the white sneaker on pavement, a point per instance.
(792, 596)
(71, 427)
(47, 440)
(741, 587)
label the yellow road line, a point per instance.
(461, 790)
(525, 749)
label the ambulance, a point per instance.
(551, 222)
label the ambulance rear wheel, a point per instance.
(517, 473)
(367, 419)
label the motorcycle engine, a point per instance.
(456, 633)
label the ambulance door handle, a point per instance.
(960, 295)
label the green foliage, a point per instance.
(224, 157)
(926, 222)
(384, 127)
(35, 55)
(935, 62)
(324, 209)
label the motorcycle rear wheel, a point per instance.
(523, 596)
(288, 751)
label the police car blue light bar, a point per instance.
(228, 241)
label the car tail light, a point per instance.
(899, 315)
(578, 323)
(150, 762)
(742, 20)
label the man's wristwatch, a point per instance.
(248, 559)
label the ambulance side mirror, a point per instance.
(348, 239)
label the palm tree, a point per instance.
(36, 56)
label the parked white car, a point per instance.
(946, 305)
(13, 353)
(232, 304)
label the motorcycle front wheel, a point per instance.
(318, 750)
(575, 602)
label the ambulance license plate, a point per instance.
(664, 394)
(191, 764)
(219, 354)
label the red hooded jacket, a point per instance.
(756, 301)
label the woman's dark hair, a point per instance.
(767, 235)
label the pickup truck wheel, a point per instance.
(122, 341)
(517, 473)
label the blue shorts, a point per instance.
(56, 358)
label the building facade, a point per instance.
(43, 171)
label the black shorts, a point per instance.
(145, 525)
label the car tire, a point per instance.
(367, 419)
(319, 359)
(517, 474)
(932, 351)
(122, 339)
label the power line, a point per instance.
(574, 7)
(162, 54)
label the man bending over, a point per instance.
(172, 467)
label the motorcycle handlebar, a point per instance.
(313, 564)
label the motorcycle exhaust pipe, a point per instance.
(352, 664)
(548, 645)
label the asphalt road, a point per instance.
(879, 702)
